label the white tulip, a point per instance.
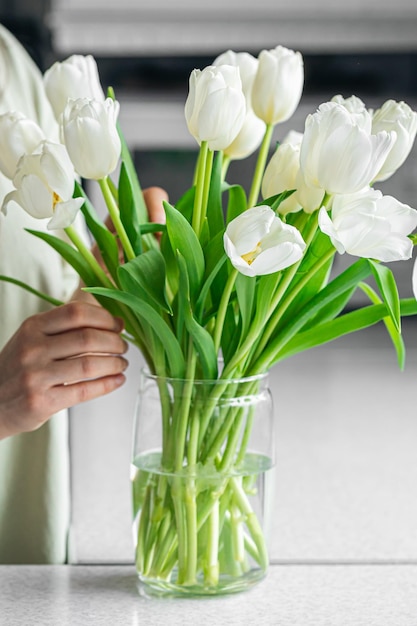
(215, 108)
(19, 135)
(280, 175)
(251, 134)
(247, 65)
(257, 242)
(278, 84)
(398, 117)
(248, 139)
(283, 173)
(370, 225)
(76, 77)
(414, 279)
(338, 152)
(357, 109)
(44, 184)
(89, 131)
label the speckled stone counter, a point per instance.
(291, 595)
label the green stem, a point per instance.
(262, 348)
(198, 209)
(181, 424)
(260, 166)
(225, 166)
(206, 187)
(211, 573)
(251, 520)
(88, 256)
(221, 313)
(115, 218)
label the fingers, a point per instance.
(83, 368)
(84, 341)
(75, 315)
(70, 395)
(154, 198)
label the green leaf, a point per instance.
(343, 325)
(70, 255)
(74, 258)
(347, 280)
(245, 289)
(319, 248)
(129, 215)
(275, 201)
(185, 204)
(205, 289)
(184, 240)
(332, 310)
(237, 202)
(35, 292)
(152, 227)
(147, 272)
(387, 286)
(393, 331)
(202, 340)
(145, 311)
(106, 241)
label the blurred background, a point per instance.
(347, 475)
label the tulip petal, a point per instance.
(65, 213)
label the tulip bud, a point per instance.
(89, 131)
(44, 184)
(278, 84)
(398, 117)
(357, 109)
(370, 225)
(338, 152)
(283, 173)
(215, 108)
(253, 129)
(257, 242)
(18, 135)
(76, 77)
(280, 175)
(247, 65)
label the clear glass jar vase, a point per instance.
(202, 482)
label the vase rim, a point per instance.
(205, 381)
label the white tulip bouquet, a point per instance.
(228, 278)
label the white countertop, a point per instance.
(291, 595)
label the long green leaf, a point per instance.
(144, 310)
(347, 280)
(393, 330)
(70, 255)
(74, 258)
(237, 202)
(323, 333)
(202, 340)
(106, 241)
(35, 292)
(319, 247)
(146, 271)
(387, 286)
(184, 240)
(128, 212)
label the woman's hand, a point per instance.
(57, 359)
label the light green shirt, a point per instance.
(34, 467)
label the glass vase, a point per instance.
(202, 483)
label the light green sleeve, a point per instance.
(34, 467)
